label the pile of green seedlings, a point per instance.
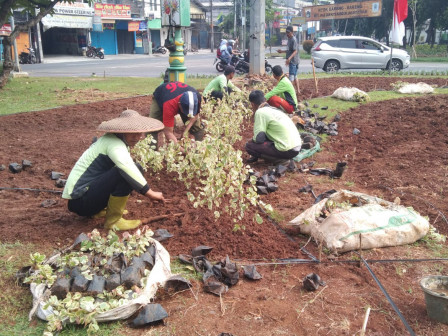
(212, 170)
(97, 275)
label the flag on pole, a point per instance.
(400, 14)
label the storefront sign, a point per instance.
(5, 30)
(133, 26)
(143, 25)
(69, 15)
(108, 26)
(113, 11)
(76, 8)
(344, 10)
(139, 41)
(298, 20)
(97, 24)
(67, 21)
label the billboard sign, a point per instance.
(346, 10)
(113, 11)
(5, 30)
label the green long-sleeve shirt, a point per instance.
(107, 152)
(218, 84)
(278, 127)
(284, 89)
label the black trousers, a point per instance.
(97, 197)
(268, 148)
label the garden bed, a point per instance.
(400, 152)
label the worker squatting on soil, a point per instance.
(276, 138)
(170, 99)
(105, 175)
(221, 84)
(283, 95)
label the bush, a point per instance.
(425, 50)
(307, 45)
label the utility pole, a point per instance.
(234, 18)
(212, 37)
(256, 37)
(243, 40)
(242, 23)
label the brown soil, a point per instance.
(401, 151)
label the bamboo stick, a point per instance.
(314, 75)
(157, 218)
(364, 324)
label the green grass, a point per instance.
(430, 59)
(303, 55)
(30, 94)
(337, 106)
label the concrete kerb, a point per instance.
(75, 58)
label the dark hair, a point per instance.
(289, 29)
(257, 97)
(277, 70)
(229, 69)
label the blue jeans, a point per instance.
(293, 68)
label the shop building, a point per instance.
(66, 31)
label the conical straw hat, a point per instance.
(131, 121)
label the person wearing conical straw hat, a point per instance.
(104, 176)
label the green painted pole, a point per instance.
(177, 69)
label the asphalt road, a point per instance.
(151, 66)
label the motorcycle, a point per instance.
(241, 64)
(159, 50)
(95, 52)
(27, 57)
(267, 67)
(221, 64)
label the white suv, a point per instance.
(356, 52)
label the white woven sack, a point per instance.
(345, 93)
(377, 223)
(416, 88)
(160, 273)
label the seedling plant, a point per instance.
(212, 170)
(81, 308)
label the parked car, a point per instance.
(356, 52)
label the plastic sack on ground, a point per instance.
(350, 94)
(347, 219)
(158, 276)
(416, 88)
(306, 153)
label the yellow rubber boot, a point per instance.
(114, 213)
(102, 214)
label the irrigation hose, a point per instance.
(292, 261)
(408, 327)
(31, 189)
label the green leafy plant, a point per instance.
(211, 169)
(360, 97)
(307, 45)
(81, 308)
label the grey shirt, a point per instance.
(292, 46)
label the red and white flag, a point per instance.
(400, 14)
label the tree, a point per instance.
(437, 12)
(270, 17)
(413, 6)
(36, 10)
